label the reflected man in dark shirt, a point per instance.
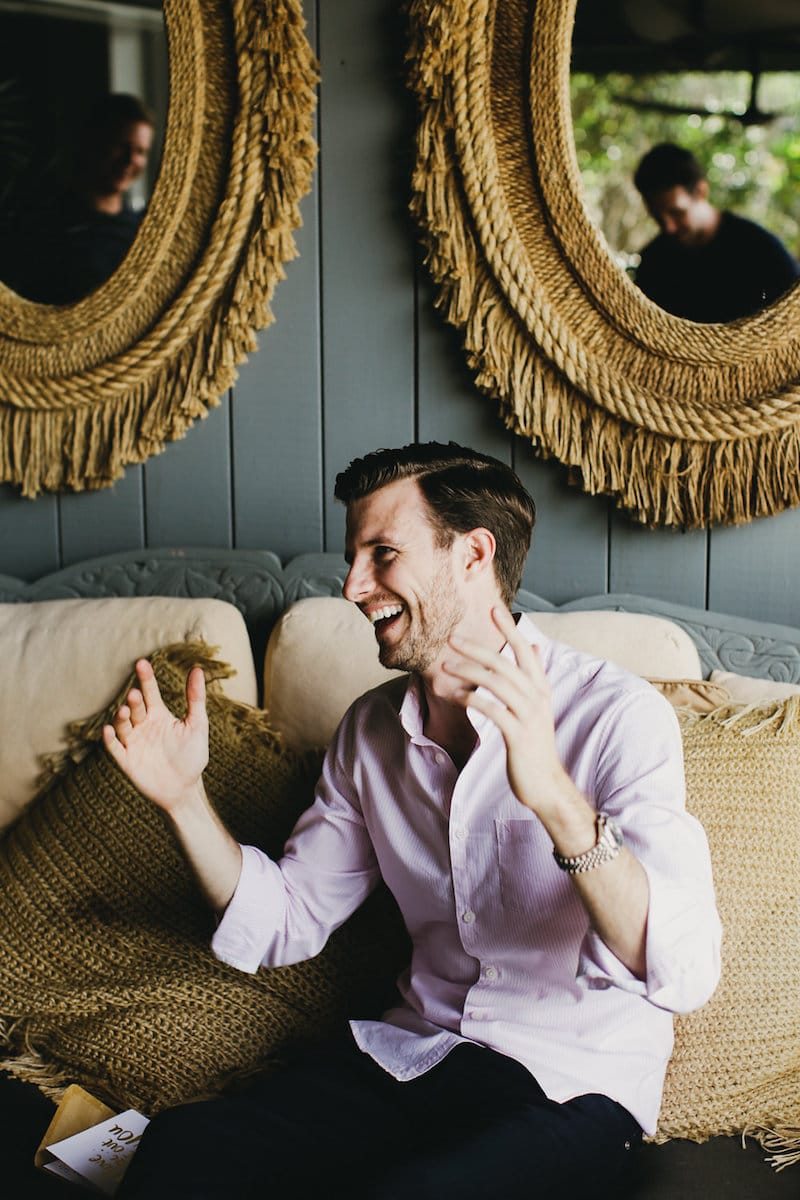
(705, 264)
(70, 244)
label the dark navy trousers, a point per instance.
(334, 1124)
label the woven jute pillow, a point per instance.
(736, 1064)
(106, 977)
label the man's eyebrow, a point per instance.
(374, 541)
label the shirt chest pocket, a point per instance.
(525, 865)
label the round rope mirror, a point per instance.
(89, 387)
(684, 424)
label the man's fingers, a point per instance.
(136, 706)
(112, 744)
(148, 685)
(122, 723)
(526, 655)
(196, 694)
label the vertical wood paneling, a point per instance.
(29, 538)
(103, 522)
(276, 416)
(367, 241)
(754, 570)
(569, 556)
(448, 403)
(187, 489)
(670, 564)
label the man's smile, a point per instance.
(385, 613)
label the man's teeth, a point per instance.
(381, 614)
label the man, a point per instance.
(706, 265)
(72, 242)
(524, 803)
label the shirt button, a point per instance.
(440, 758)
(491, 973)
(468, 917)
(459, 833)
(474, 1016)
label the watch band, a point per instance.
(606, 847)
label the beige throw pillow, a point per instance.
(699, 695)
(744, 689)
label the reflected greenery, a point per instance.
(753, 169)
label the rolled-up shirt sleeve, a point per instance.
(683, 927)
(284, 912)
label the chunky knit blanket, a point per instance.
(106, 977)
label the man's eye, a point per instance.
(382, 553)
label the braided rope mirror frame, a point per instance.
(88, 388)
(684, 424)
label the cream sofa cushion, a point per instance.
(744, 689)
(65, 659)
(322, 654)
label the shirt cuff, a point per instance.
(599, 968)
(255, 911)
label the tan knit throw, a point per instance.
(736, 1064)
(106, 976)
(87, 388)
(684, 424)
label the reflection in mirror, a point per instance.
(83, 102)
(716, 233)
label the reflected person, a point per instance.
(705, 264)
(75, 240)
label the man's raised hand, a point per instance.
(515, 694)
(163, 757)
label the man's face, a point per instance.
(681, 214)
(124, 157)
(399, 577)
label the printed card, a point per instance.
(98, 1157)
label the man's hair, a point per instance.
(463, 490)
(110, 111)
(667, 166)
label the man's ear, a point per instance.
(701, 190)
(479, 548)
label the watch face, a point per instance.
(611, 834)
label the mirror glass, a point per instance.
(84, 88)
(722, 82)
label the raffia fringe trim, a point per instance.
(28, 1065)
(781, 716)
(783, 1142)
(674, 478)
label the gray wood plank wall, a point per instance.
(357, 358)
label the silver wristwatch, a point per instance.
(608, 845)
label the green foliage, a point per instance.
(753, 169)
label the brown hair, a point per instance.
(667, 166)
(463, 490)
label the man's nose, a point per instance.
(358, 583)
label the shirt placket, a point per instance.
(474, 921)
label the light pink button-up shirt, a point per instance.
(503, 953)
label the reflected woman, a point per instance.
(74, 241)
(705, 265)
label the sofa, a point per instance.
(298, 654)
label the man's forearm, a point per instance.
(615, 894)
(213, 854)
